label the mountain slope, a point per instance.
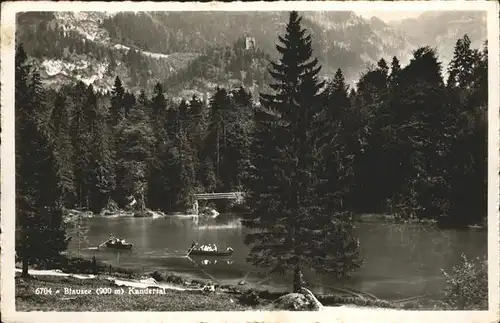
(187, 50)
(442, 29)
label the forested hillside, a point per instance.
(342, 39)
(148, 47)
(413, 143)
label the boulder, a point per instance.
(303, 301)
(315, 304)
(291, 302)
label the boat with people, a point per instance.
(117, 243)
(208, 250)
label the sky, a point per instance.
(389, 16)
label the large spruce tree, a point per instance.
(293, 226)
(101, 175)
(63, 147)
(467, 159)
(38, 193)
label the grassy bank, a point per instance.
(171, 300)
(225, 297)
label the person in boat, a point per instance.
(229, 249)
(215, 247)
(112, 238)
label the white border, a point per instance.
(8, 11)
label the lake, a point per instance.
(400, 260)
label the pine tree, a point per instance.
(163, 117)
(239, 140)
(81, 141)
(372, 113)
(423, 134)
(63, 147)
(395, 71)
(461, 69)
(158, 108)
(101, 170)
(38, 198)
(135, 145)
(180, 173)
(343, 136)
(293, 228)
(467, 158)
(117, 103)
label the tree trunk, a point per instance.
(25, 267)
(298, 279)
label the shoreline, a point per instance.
(72, 215)
(77, 273)
(75, 292)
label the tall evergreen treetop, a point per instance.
(292, 230)
(117, 108)
(293, 67)
(465, 60)
(395, 71)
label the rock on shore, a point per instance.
(303, 301)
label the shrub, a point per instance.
(157, 276)
(250, 297)
(467, 284)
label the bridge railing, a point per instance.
(214, 196)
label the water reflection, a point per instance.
(400, 261)
(207, 262)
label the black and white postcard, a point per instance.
(250, 161)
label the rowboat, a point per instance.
(198, 252)
(119, 245)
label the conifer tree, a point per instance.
(239, 141)
(467, 158)
(117, 105)
(63, 147)
(395, 71)
(101, 171)
(423, 133)
(38, 195)
(81, 140)
(294, 227)
(343, 138)
(461, 69)
(217, 134)
(158, 186)
(135, 145)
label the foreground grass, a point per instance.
(172, 300)
(226, 297)
(27, 300)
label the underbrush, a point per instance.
(467, 284)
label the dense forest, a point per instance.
(404, 141)
(417, 143)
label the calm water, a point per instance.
(399, 260)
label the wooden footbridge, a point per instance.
(238, 196)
